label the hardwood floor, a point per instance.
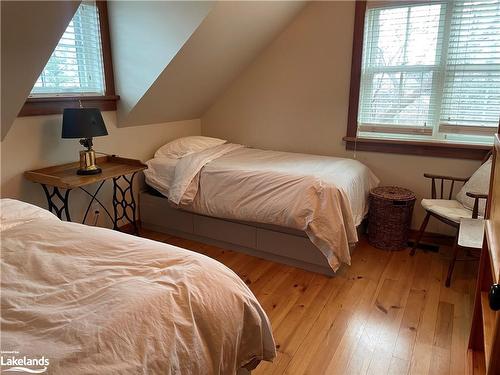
(388, 313)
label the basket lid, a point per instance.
(393, 193)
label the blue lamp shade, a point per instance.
(83, 123)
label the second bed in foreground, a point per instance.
(97, 301)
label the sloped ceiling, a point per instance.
(229, 38)
(145, 37)
(30, 32)
(172, 59)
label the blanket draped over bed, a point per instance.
(96, 301)
(325, 197)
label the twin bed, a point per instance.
(324, 198)
(93, 300)
(97, 301)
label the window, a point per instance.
(428, 72)
(76, 66)
(79, 69)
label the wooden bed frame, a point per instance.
(275, 243)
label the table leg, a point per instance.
(94, 198)
(53, 206)
(124, 202)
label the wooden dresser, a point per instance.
(484, 340)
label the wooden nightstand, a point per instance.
(64, 177)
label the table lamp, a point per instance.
(84, 123)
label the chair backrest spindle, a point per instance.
(475, 210)
(443, 186)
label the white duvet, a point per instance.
(324, 196)
(96, 301)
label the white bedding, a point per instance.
(96, 301)
(160, 173)
(324, 196)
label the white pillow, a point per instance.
(478, 183)
(187, 145)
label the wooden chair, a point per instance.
(448, 210)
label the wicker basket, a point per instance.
(389, 218)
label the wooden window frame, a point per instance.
(412, 147)
(55, 104)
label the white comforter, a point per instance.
(324, 196)
(96, 301)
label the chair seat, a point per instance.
(448, 208)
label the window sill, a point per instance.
(55, 105)
(436, 149)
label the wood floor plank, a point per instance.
(380, 333)
(440, 361)
(265, 286)
(290, 331)
(277, 367)
(253, 270)
(278, 304)
(398, 366)
(462, 318)
(313, 355)
(410, 324)
(423, 269)
(389, 302)
(289, 334)
(156, 236)
(422, 353)
(460, 340)
(388, 313)
(342, 356)
(366, 263)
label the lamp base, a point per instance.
(87, 163)
(86, 172)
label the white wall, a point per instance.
(227, 40)
(35, 142)
(295, 96)
(145, 37)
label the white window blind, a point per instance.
(471, 94)
(76, 65)
(430, 69)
